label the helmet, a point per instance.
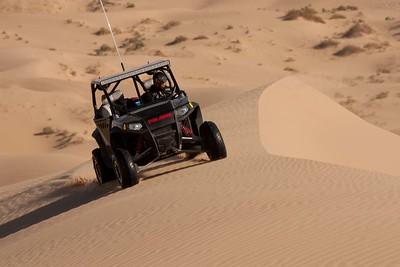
(159, 79)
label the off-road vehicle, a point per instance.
(132, 133)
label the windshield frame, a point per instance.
(137, 83)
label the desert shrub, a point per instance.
(147, 21)
(104, 31)
(289, 69)
(46, 131)
(130, 5)
(157, 53)
(384, 70)
(93, 69)
(177, 40)
(380, 96)
(170, 24)
(200, 37)
(66, 138)
(348, 50)
(345, 8)
(376, 79)
(326, 43)
(348, 101)
(103, 50)
(357, 30)
(134, 43)
(95, 6)
(101, 31)
(306, 13)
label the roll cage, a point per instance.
(109, 84)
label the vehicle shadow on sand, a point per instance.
(64, 196)
(181, 164)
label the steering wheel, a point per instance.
(169, 92)
(164, 93)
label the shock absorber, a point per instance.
(186, 129)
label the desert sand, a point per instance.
(307, 102)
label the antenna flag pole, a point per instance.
(112, 35)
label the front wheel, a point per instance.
(125, 169)
(103, 173)
(213, 143)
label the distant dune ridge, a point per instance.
(32, 6)
(298, 121)
(311, 177)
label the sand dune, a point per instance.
(276, 200)
(251, 209)
(298, 121)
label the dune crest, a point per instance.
(299, 121)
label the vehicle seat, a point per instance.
(105, 109)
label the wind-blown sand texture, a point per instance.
(311, 177)
(251, 209)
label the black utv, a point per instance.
(147, 126)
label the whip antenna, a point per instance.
(112, 35)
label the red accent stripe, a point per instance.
(160, 118)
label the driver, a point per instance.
(158, 89)
(160, 82)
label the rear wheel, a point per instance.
(125, 169)
(213, 143)
(103, 173)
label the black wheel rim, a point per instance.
(97, 171)
(118, 172)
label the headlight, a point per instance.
(137, 126)
(182, 111)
